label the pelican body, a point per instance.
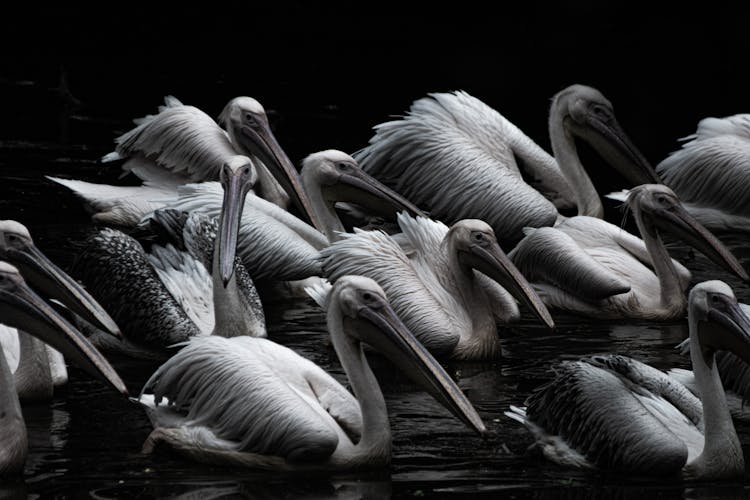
(587, 266)
(172, 293)
(23, 309)
(711, 172)
(280, 411)
(273, 244)
(615, 413)
(438, 282)
(458, 158)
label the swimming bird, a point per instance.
(275, 245)
(37, 367)
(613, 412)
(588, 266)
(458, 158)
(429, 272)
(280, 411)
(711, 172)
(22, 308)
(171, 293)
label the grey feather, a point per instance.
(549, 255)
(450, 147)
(218, 383)
(375, 255)
(713, 168)
(589, 404)
(116, 271)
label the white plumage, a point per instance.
(251, 402)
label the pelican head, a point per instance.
(22, 308)
(368, 318)
(657, 208)
(17, 247)
(340, 178)
(247, 124)
(714, 302)
(475, 244)
(587, 114)
(238, 176)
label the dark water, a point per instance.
(86, 444)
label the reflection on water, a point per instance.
(88, 443)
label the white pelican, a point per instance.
(38, 368)
(23, 309)
(428, 271)
(186, 144)
(711, 172)
(587, 266)
(457, 157)
(183, 144)
(616, 413)
(275, 245)
(170, 294)
(281, 411)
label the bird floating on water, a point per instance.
(280, 411)
(587, 266)
(171, 293)
(458, 158)
(613, 412)
(437, 281)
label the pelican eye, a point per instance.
(246, 170)
(344, 167)
(478, 237)
(715, 299)
(367, 296)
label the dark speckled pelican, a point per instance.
(171, 293)
(616, 413)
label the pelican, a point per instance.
(186, 143)
(280, 411)
(457, 157)
(170, 294)
(37, 367)
(275, 245)
(183, 144)
(711, 172)
(22, 308)
(587, 266)
(613, 412)
(428, 271)
(180, 145)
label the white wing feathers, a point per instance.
(254, 393)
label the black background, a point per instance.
(328, 72)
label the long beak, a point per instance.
(229, 224)
(736, 325)
(681, 224)
(493, 262)
(363, 189)
(25, 310)
(263, 144)
(54, 283)
(611, 142)
(390, 337)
